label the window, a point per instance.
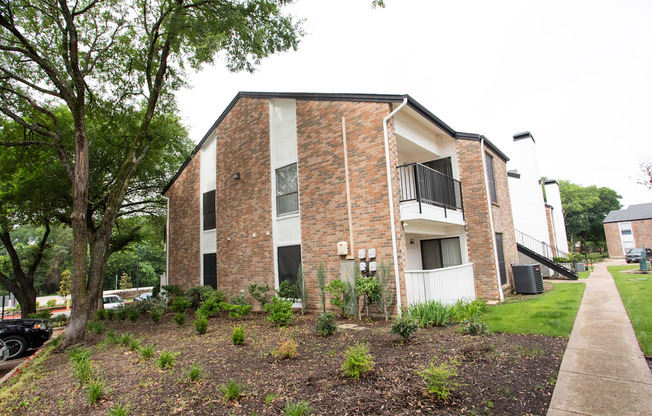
(438, 253)
(287, 190)
(289, 260)
(501, 258)
(209, 210)
(490, 177)
(625, 228)
(210, 270)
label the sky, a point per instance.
(576, 74)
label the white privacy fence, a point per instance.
(447, 285)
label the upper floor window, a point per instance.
(209, 210)
(490, 177)
(287, 190)
(625, 228)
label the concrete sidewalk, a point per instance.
(603, 371)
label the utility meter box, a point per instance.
(342, 248)
(362, 254)
(363, 267)
(372, 266)
(372, 253)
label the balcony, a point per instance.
(447, 285)
(429, 195)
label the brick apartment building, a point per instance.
(288, 179)
(628, 228)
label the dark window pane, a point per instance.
(209, 210)
(287, 204)
(289, 260)
(490, 177)
(501, 258)
(210, 270)
(287, 188)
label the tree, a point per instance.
(112, 56)
(64, 287)
(584, 210)
(125, 281)
(645, 178)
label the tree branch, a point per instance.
(41, 250)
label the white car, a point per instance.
(144, 296)
(113, 302)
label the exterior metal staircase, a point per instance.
(544, 253)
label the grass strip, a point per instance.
(552, 313)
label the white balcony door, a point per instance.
(439, 253)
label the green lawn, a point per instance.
(636, 293)
(551, 313)
(584, 275)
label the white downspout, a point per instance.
(391, 204)
(491, 221)
(167, 241)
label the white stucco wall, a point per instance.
(207, 180)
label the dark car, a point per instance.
(20, 335)
(634, 255)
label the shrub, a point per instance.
(405, 326)
(239, 299)
(125, 340)
(96, 391)
(326, 324)
(119, 410)
(198, 294)
(286, 290)
(133, 314)
(430, 313)
(100, 314)
(201, 323)
(236, 311)
(112, 338)
(340, 294)
(180, 318)
(121, 313)
(440, 379)
(194, 373)
(173, 291)
(208, 308)
(150, 305)
(83, 371)
(79, 354)
(181, 305)
(156, 315)
(300, 408)
(473, 327)
(110, 314)
(56, 341)
(231, 391)
(147, 352)
(321, 283)
(358, 361)
(95, 327)
(59, 320)
(288, 349)
(238, 336)
(280, 311)
(41, 315)
(165, 360)
(464, 310)
(258, 291)
(51, 303)
(369, 287)
(134, 345)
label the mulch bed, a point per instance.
(499, 373)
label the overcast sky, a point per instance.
(576, 74)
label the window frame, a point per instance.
(294, 192)
(491, 178)
(209, 220)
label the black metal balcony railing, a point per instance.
(540, 247)
(425, 185)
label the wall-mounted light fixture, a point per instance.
(411, 240)
(236, 175)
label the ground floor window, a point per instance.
(501, 258)
(289, 260)
(210, 270)
(441, 252)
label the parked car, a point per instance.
(20, 335)
(4, 351)
(113, 302)
(634, 255)
(143, 296)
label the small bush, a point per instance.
(156, 315)
(258, 291)
(194, 373)
(51, 303)
(201, 323)
(208, 308)
(358, 361)
(239, 299)
(238, 336)
(440, 379)
(326, 324)
(147, 352)
(133, 314)
(287, 291)
(59, 320)
(41, 315)
(100, 314)
(430, 313)
(231, 391)
(96, 391)
(280, 311)
(121, 313)
(119, 410)
(405, 326)
(135, 345)
(464, 310)
(340, 294)
(173, 291)
(125, 340)
(56, 341)
(165, 360)
(83, 371)
(473, 327)
(288, 349)
(79, 354)
(180, 318)
(300, 408)
(109, 314)
(181, 305)
(95, 327)
(112, 338)
(198, 294)
(235, 311)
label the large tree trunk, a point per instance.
(100, 252)
(27, 300)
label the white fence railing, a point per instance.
(447, 285)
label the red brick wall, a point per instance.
(642, 231)
(184, 254)
(614, 244)
(551, 227)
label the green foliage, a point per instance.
(100, 314)
(287, 291)
(181, 305)
(300, 408)
(165, 360)
(430, 313)
(238, 335)
(41, 315)
(173, 291)
(635, 294)
(196, 295)
(288, 349)
(194, 373)
(147, 352)
(231, 391)
(121, 313)
(369, 287)
(258, 291)
(270, 397)
(112, 338)
(386, 292)
(59, 320)
(83, 369)
(280, 311)
(326, 324)
(302, 292)
(64, 284)
(133, 313)
(110, 314)
(125, 281)
(95, 327)
(126, 340)
(463, 310)
(358, 361)
(200, 323)
(208, 308)
(235, 311)
(440, 379)
(96, 391)
(405, 326)
(79, 354)
(119, 410)
(156, 315)
(473, 327)
(134, 345)
(340, 294)
(180, 318)
(321, 283)
(51, 303)
(239, 299)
